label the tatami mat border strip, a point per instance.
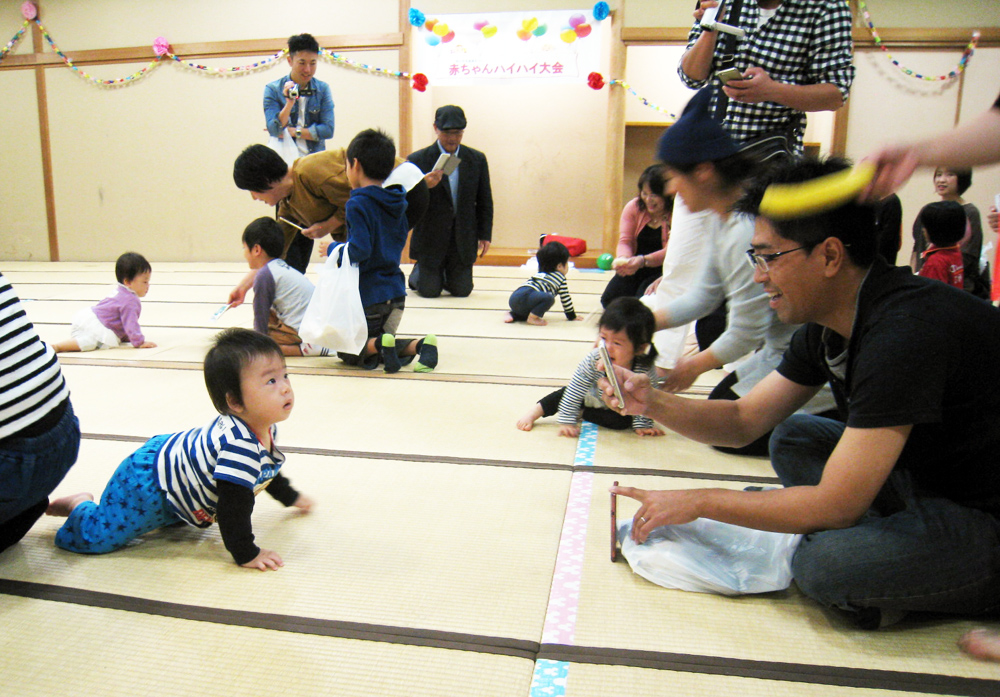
(436, 306)
(550, 339)
(694, 390)
(336, 372)
(500, 646)
(482, 462)
(926, 683)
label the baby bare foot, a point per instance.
(508, 318)
(537, 321)
(64, 506)
(526, 422)
(982, 644)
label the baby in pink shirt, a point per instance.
(115, 318)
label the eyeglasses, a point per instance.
(760, 261)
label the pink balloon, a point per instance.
(478, 26)
(576, 20)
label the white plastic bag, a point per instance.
(285, 147)
(335, 317)
(707, 556)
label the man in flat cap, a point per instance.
(458, 225)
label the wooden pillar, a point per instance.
(614, 160)
(838, 144)
(38, 44)
(405, 145)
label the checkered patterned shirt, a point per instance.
(806, 42)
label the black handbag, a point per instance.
(768, 149)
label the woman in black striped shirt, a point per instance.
(39, 434)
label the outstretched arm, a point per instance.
(974, 143)
(713, 421)
(853, 476)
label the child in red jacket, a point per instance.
(944, 226)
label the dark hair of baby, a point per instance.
(267, 233)
(551, 255)
(232, 351)
(635, 318)
(130, 265)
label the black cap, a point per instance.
(450, 118)
(696, 136)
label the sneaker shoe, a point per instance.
(427, 355)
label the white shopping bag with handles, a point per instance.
(335, 317)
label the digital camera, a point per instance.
(294, 92)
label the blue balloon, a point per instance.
(601, 11)
(416, 17)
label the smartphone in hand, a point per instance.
(609, 373)
(728, 74)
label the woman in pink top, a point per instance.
(642, 239)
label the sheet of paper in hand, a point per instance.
(447, 163)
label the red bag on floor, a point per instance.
(575, 245)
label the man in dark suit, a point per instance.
(458, 225)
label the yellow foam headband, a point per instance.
(802, 199)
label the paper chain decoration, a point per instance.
(951, 75)
(596, 81)
(13, 42)
(161, 48)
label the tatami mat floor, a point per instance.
(436, 560)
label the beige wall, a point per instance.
(23, 231)
(885, 13)
(149, 166)
(97, 24)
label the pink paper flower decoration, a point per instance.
(160, 46)
(28, 10)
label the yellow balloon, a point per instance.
(489, 30)
(530, 24)
(441, 29)
(568, 35)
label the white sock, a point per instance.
(312, 350)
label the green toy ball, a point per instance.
(604, 262)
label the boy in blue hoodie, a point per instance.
(376, 234)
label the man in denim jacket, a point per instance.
(298, 105)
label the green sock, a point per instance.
(427, 354)
(387, 347)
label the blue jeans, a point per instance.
(30, 469)
(910, 551)
(132, 504)
(528, 301)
